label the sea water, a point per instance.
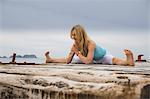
(21, 60)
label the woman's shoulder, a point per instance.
(91, 43)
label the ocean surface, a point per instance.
(36, 60)
(21, 60)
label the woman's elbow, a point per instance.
(68, 60)
(89, 62)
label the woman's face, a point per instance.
(74, 36)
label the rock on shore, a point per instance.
(75, 81)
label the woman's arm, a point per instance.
(70, 57)
(89, 58)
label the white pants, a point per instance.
(107, 59)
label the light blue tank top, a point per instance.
(99, 53)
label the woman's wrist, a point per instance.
(71, 52)
(78, 53)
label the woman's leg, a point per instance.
(54, 60)
(128, 61)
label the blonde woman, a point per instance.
(87, 51)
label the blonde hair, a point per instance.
(82, 37)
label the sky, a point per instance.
(56, 14)
(35, 26)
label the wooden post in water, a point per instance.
(13, 58)
(140, 58)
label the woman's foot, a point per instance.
(48, 58)
(130, 59)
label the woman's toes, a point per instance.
(127, 52)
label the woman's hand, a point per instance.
(75, 49)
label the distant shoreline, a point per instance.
(20, 56)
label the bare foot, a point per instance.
(130, 59)
(48, 58)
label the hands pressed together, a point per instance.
(75, 49)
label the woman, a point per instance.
(88, 52)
